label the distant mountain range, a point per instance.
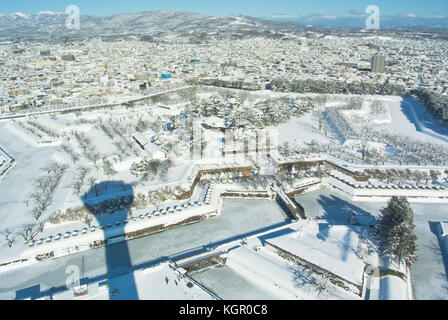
(357, 19)
(182, 26)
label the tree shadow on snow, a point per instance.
(338, 211)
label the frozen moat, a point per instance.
(239, 218)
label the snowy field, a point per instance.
(301, 131)
(411, 118)
(239, 218)
(16, 186)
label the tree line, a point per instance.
(436, 103)
(335, 87)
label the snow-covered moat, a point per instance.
(239, 218)
(229, 285)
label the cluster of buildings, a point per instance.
(37, 74)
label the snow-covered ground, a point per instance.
(409, 117)
(37, 142)
(16, 186)
(301, 131)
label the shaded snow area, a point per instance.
(336, 208)
(430, 272)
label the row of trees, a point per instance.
(32, 106)
(87, 213)
(86, 145)
(335, 87)
(43, 194)
(49, 132)
(236, 84)
(435, 102)
(400, 175)
(40, 200)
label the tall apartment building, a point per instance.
(378, 63)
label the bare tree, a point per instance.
(77, 188)
(41, 224)
(9, 236)
(88, 220)
(28, 231)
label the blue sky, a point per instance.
(257, 8)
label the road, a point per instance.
(85, 108)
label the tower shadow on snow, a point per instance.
(117, 253)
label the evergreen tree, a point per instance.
(396, 231)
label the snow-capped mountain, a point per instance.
(164, 25)
(181, 23)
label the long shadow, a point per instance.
(334, 127)
(118, 258)
(29, 293)
(337, 211)
(423, 120)
(436, 229)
